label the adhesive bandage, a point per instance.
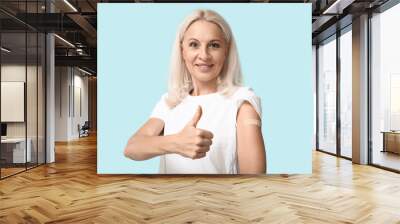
(249, 121)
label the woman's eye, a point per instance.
(214, 45)
(193, 44)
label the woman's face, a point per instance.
(204, 50)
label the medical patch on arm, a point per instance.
(250, 121)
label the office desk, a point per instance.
(391, 141)
(15, 148)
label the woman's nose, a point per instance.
(204, 54)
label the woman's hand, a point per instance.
(147, 143)
(193, 142)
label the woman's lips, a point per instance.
(204, 67)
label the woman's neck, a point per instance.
(199, 90)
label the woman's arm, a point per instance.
(147, 142)
(191, 142)
(250, 143)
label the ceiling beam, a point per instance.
(321, 20)
(85, 61)
(84, 24)
(337, 6)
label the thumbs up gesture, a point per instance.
(194, 142)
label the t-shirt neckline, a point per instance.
(203, 96)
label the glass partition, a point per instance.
(41, 109)
(13, 108)
(22, 77)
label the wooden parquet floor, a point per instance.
(70, 191)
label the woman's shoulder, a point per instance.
(163, 98)
(163, 101)
(244, 92)
(164, 95)
(247, 94)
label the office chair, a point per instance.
(84, 130)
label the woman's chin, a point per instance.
(205, 77)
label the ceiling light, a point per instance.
(70, 5)
(5, 50)
(84, 71)
(64, 40)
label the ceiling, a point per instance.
(76, 22)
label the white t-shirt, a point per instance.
(219, 117)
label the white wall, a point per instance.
(15, 72)
(70, 84)
(81, 103)
(61, 103)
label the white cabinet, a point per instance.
(18, 149)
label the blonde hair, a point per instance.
(180, 81)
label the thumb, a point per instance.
(196, 117)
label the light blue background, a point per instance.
(134, 48)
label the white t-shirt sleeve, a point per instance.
(246, 94)
(161, 109)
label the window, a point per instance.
(385, 88)
(327, 96)
(346, 93)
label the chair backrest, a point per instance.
(86, 125)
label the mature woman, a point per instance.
(207, 122)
